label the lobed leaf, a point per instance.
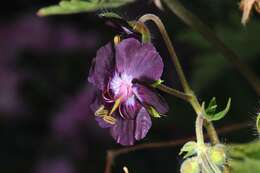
(79, 6)
(210, 112)
(190, 149)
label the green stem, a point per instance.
(199, 131)
(194, 22)
(174, 92)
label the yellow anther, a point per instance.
(117, 39)
(109, 119)
(101, 112)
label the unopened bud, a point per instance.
(217, 154)
(190, 165)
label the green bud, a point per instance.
(190, 165)
(217, 154)
(258, 123)
(157, 83)
(153, 112)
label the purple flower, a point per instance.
(59, 165)
(121, 72)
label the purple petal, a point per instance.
(102, 123)
(143, 124)
(102, 66)
(130, 108)
(141, 61)
(149, 97)
(123, 131)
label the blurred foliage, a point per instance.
(78, 6)
(245, 158)
(210, 65)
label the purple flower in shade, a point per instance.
(121, 72)
(59, 165)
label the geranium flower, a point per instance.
(120, 72)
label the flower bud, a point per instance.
(190, 165)
(217, 154)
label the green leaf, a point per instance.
(190, 149)
(79, 6)
(212, 107)
(210, 112)
(244, 158)
(153, 112)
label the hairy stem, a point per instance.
(199, 131)
(194, 22)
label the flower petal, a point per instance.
(141, 61)
(143, 124)
(147, 96)
(130, 108)
(102, 66)
(123, 131)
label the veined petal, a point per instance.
(148, 97)
(141, 61)
(123, 131)
(143, 124)
(130, 108)
(102, 66)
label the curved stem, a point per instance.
(166, 38)
(193, 100)
(199, 131)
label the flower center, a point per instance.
(121, 86)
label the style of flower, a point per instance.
(121, 72)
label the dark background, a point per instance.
(45, 124)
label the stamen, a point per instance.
(109, 119)
(101, 112)
(117, 39)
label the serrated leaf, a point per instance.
(79, 6)
(153, 112)
(190, 149)
(210, 114)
